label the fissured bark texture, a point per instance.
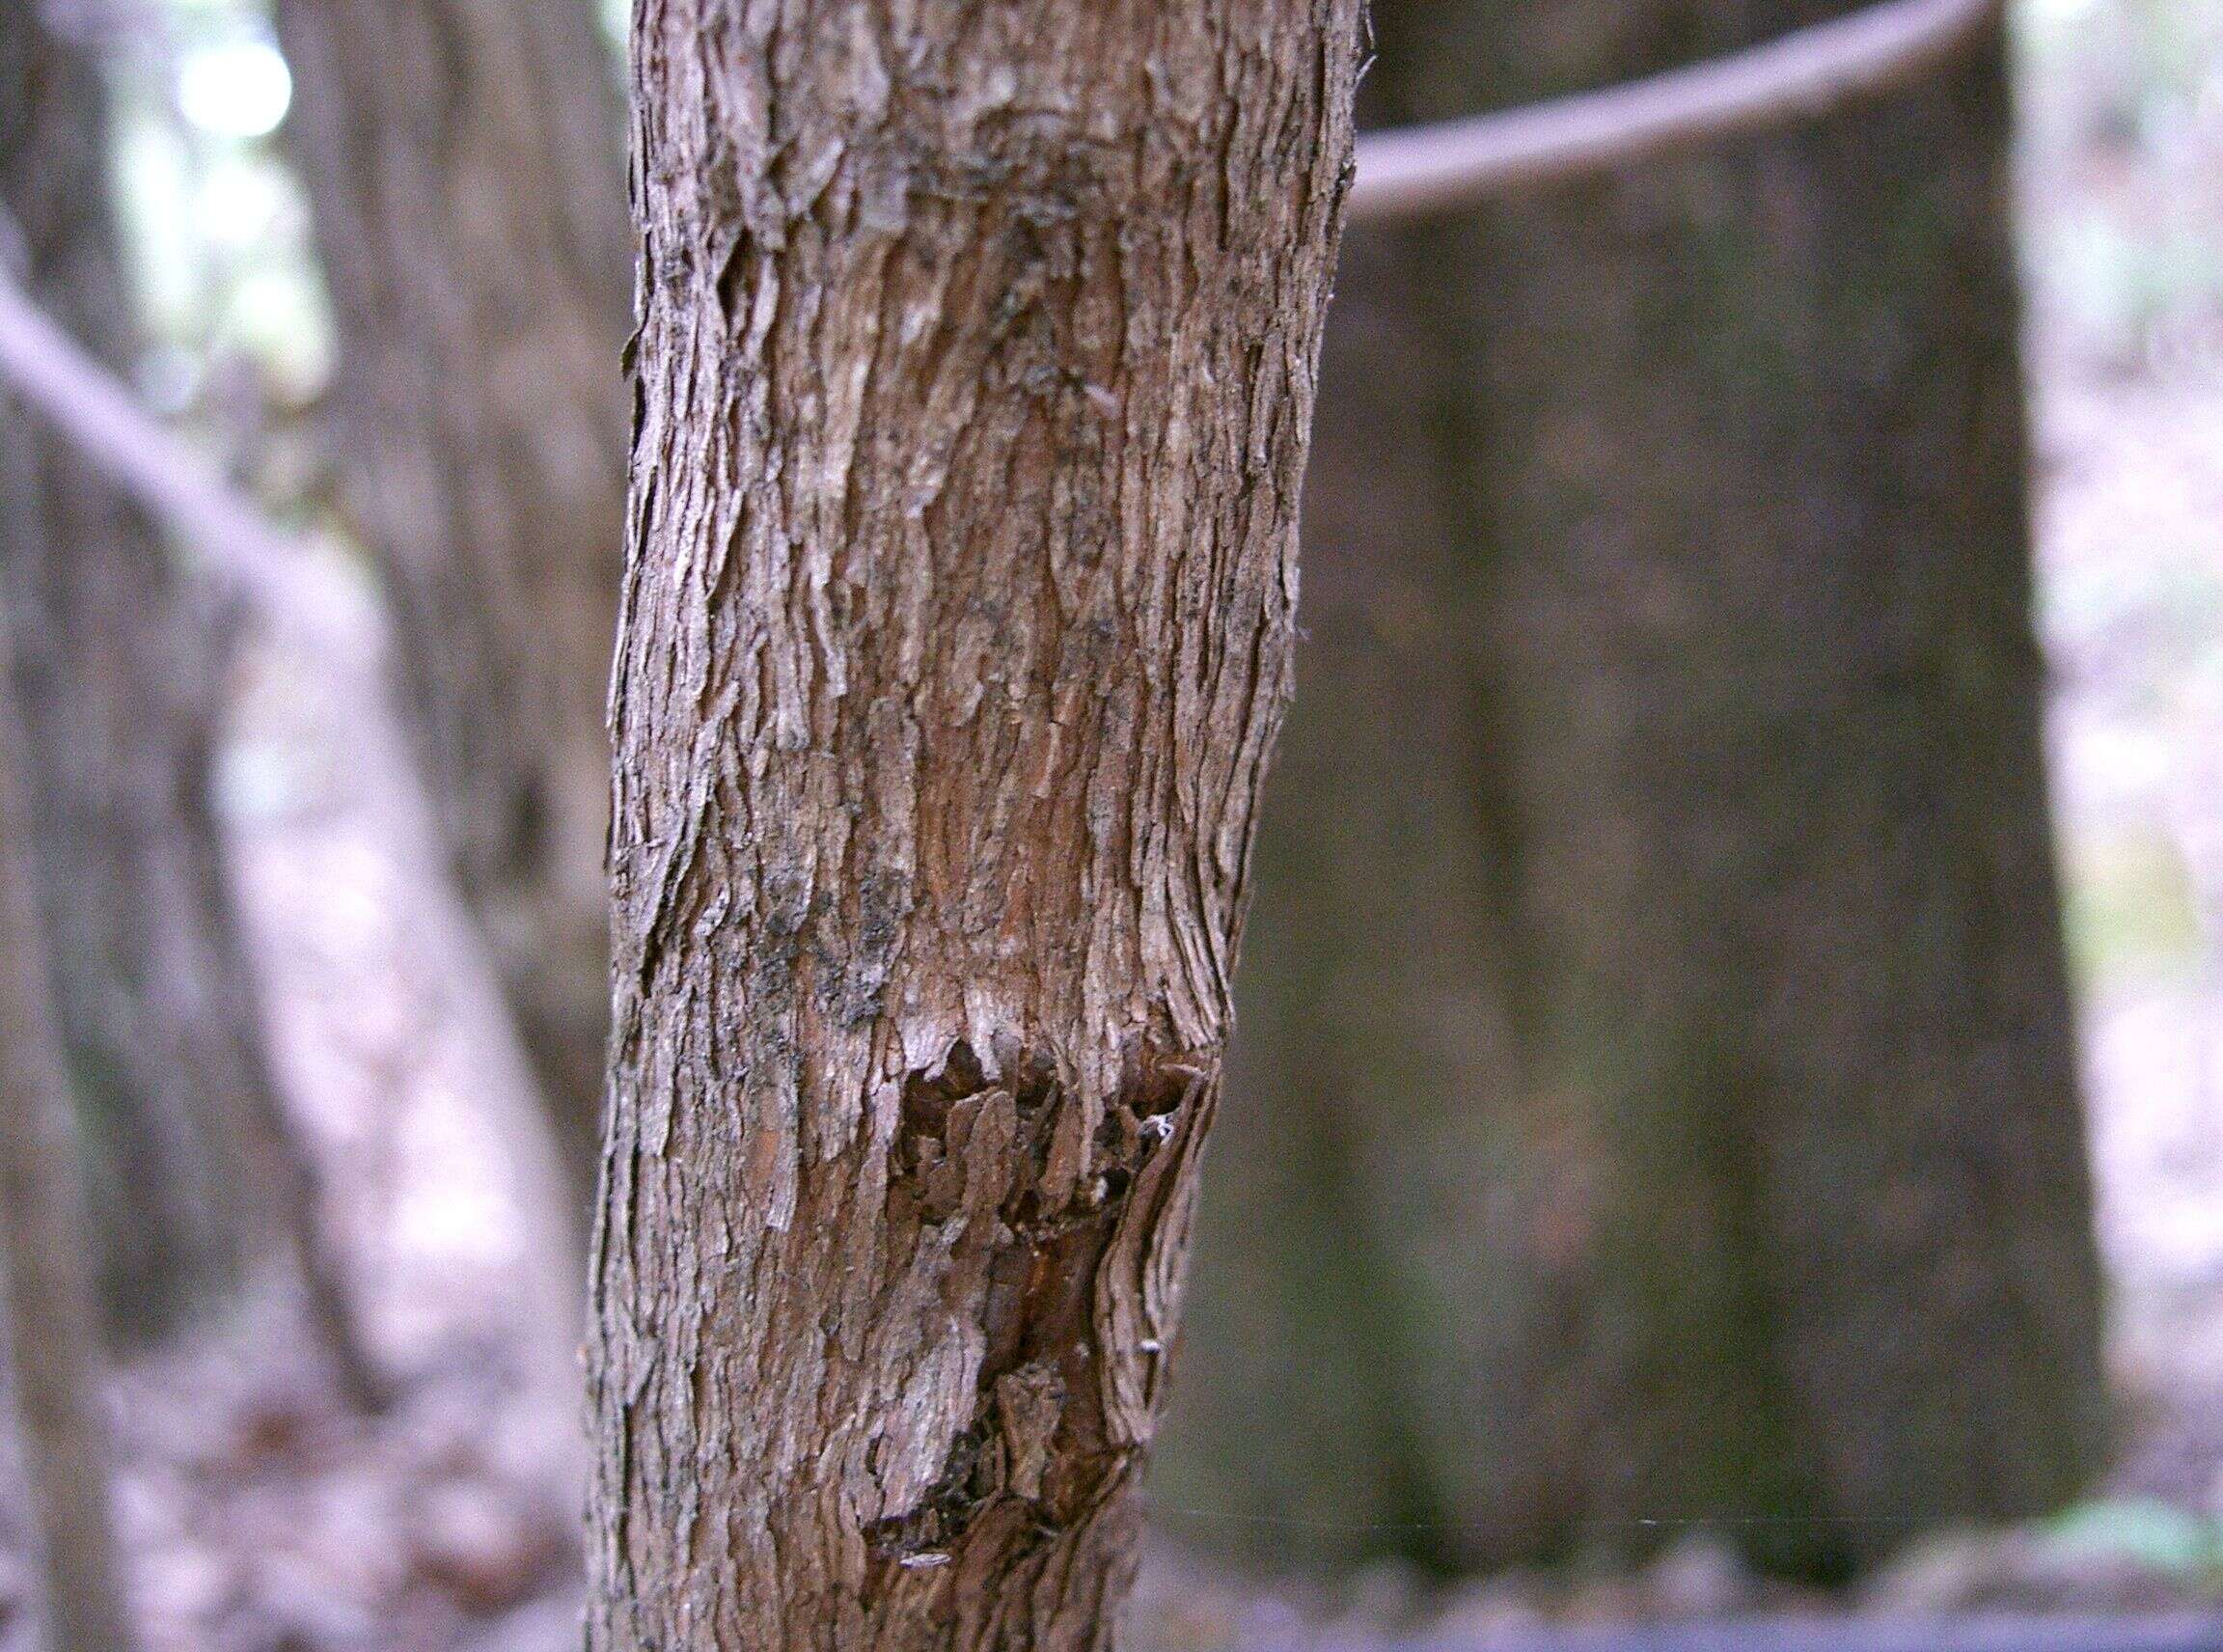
(464, 165)
(973, 381)
(1655, 1099)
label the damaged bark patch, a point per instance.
(1043, 1203)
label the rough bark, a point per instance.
(463, 164)
(975, 377)
(1659, 883)
(51, 1330)
(117, 673)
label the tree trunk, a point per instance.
(51, 1323)
(973, 388)
(462, 162)
(1658, 884)
(117, 673)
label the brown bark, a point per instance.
(117, 673)
(973, 385)
(463, 166)
(52, 1327)
(1659, 886)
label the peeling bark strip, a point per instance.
(974, 373)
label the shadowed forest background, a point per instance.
(1725, 1114)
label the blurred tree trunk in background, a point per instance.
(1656, 1093)
(464, 165)
(52, 1326)
(118, 674)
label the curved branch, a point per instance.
(307, 605)
(1405, 173)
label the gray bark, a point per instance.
(973, 384)
(463, 164)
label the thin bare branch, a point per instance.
(308, 605)
(1404, 173)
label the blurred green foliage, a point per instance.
(215, 224)
(2152, 1535)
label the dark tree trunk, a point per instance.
(974, 387)
(464, 167)
(117, 673)
(50, 1328)
(1658, 886)
(50, 1324)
